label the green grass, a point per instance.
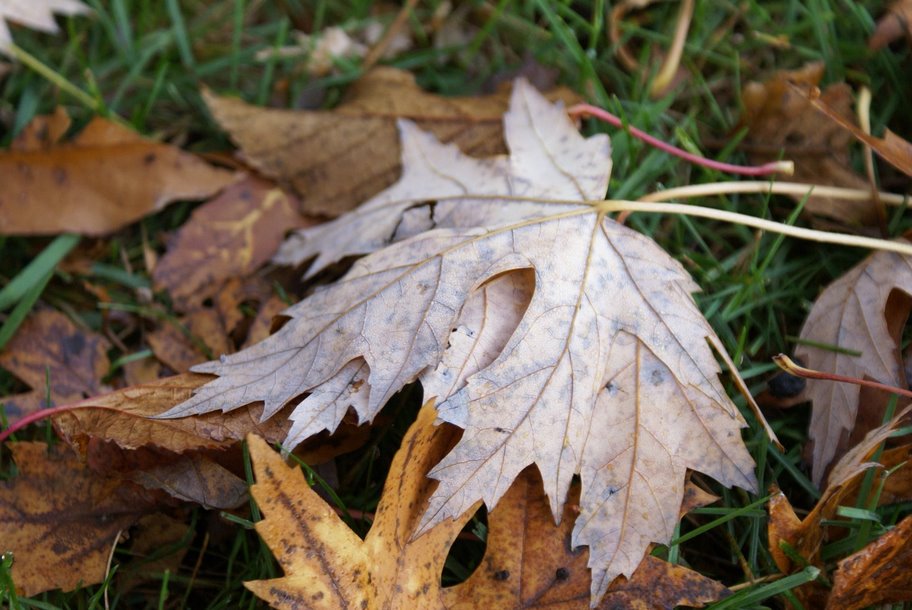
(143, 62)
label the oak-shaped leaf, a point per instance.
(854, 329)
(529, 561)
(601, 364)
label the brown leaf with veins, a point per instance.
(599, 364)
(195, 337)
(528, 564)
(781, 121)
(863, 311)
(60, 520)
(195, 477)
(49, 350)
(336, 159)
(326, 564)
(124, 418)
(228, 236)
(105, 178)
(880, 573)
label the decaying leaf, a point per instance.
(861, 315)
(609, 371)
(55, 357)
(124, 417)
(229, 236)
(880, 573)
(194, 338)
(781, 121)
(195, 478)
(895, 23)
(346, 155)
(36, 14)
(60, 520)
(805, 536)
(893, 149)
(326, 564)
(102, 180)
(529, 563)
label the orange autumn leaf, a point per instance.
(103, 179)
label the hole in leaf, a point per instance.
(466, 553)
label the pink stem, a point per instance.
(751, 170)
(32, 418)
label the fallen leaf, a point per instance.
(863, 312)
(335, 159)
(530, 563)
(102, 180)
(59, 520)
(262, 325)
(195, 478)
(805, 536)
(154, 547)
(782, 122)
(880, 573)
(227, 237)
(195, 338)
(610, 372)
(326, 564)
(124, 417)
(892, 148)
(55, 357)
(894, 24)
(35, 14)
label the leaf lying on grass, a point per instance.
(529, 562)
(343, 156)
(53, 356)
(60, 520)
(102, 180)
(608, 371)
(880, 573)
(854, 329)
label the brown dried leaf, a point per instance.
(60, 520)
(607, 371)
(336, 159)
(227, 237)
(326, 564)
(50, 350)
(124, 418)
(530, 563)
(180, 347)
(880, 573)
(152, 534)
(104, 179)
(862, 311)
(895, 23)
(895, 150)
(195, 478)
(781, 120)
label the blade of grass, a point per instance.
(36, 271)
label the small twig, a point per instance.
(775, 167)
(792, 368)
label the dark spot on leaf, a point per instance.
(656, 377)
(501, 575)
(149, 159)
(60, 176)
(317, 596)
(562, 574)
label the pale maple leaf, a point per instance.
(853, 329)
(553, 335)
(35, 14)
